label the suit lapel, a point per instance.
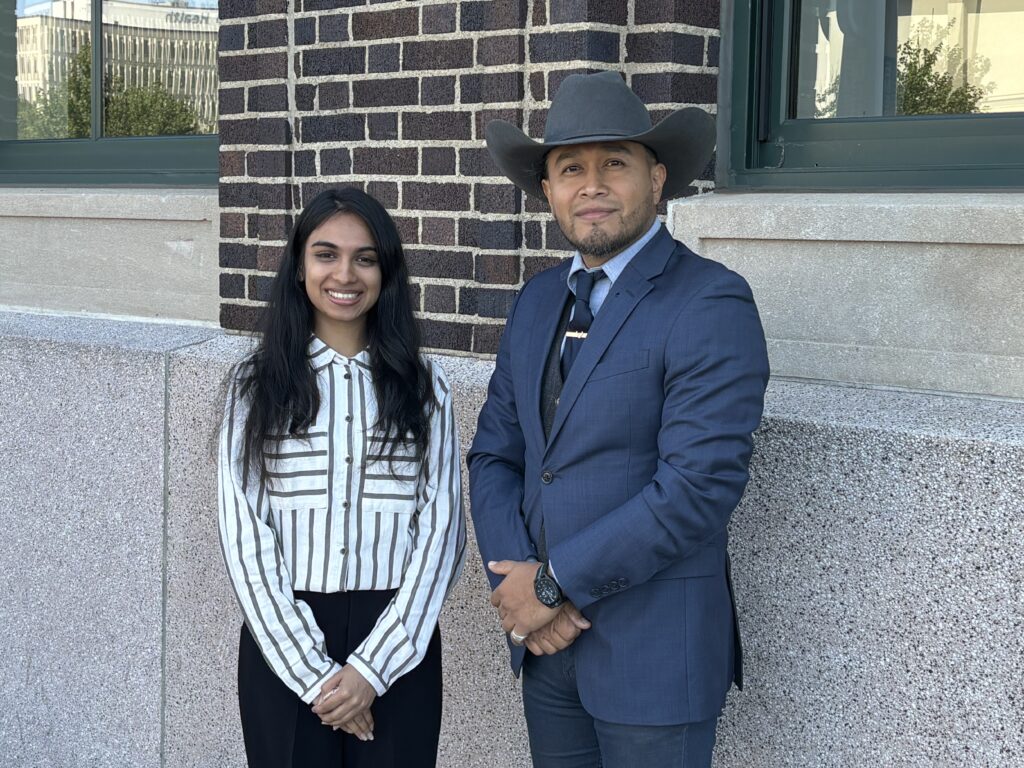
(542, 335)
(629, 289)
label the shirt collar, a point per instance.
(614, 266)
(321, 355)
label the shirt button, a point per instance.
(546, 478)
(349, 417)
(343, 550)
(344, 505)
(348, 375)
(348, 459)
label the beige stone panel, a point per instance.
(123, 252)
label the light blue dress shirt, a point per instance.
(612, 268)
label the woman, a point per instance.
(340, 504)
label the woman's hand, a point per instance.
(343, 697)
(360, 726)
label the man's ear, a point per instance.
(658, 175)
(546, 186)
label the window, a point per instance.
(75, 112)
(872, 94)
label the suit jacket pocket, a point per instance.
(616, 363)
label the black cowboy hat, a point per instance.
(601, 107)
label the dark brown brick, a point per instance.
(232, 163)
(275, 226)
(437, 90)
(276, 163)
(380, 25)
(439, 19)
(537, 89)
(493, 14)
(268, 257)
(237, 317)
(272, 197)
(533, 235)
(259, 287)
(233, 9)
(486, 339)
(333, 128)
(335, 162)
(385, 192)
(381, 160)
(304, 163)
(676, 88)
(504, 49)
(438, 161)
(235, 195)
(558, 76)
(252, 227)
(268, 34)
(231, 37)
(497, 268)
(445, 263)
(268, 98)
(554, 240)
(440, 334)
(699, 13)
(533, 265)
(415, 293)
(437, 125)
(437, 54)
(484, 116)
(305, 31)
(327, 5)
(385, 58)
(392, 91)
(490, 235)
(438, 231)
(267, 66)
(232, 225)
(533, 204)
(671, 47)
(582, 45)
(271, 7)
(305, 97)
(383, 126)
(333, 95)
(713, 45)
(439, 298)
(540, 14)
(334, 61)
(334, 28)
(598, 11)
(265, 130)
(536, 124)
(231, 101)
(311, 189)
(485, 302)
(232, 286)
(408, 229)
(497, 198)
(477, 162)
(428, 196)
(491, 87)
(237, 256)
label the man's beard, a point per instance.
(601, 244)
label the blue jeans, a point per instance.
(564, 735)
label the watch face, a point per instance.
(547, 590)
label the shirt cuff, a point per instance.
(369, 674)
(314, 690)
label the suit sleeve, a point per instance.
(716, 371)
(496, 464)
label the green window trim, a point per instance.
(760, 147)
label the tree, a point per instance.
(928, 74)
(64, 110)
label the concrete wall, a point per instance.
(147, 253)
(875, 555)
(914, 290)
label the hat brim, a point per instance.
(683, 142)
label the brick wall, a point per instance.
(393, 97)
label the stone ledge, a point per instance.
(114, 203)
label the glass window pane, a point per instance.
(159, 67)
(45, 69)
(870, 58)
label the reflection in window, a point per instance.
(869, 58)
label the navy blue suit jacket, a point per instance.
(646, 460)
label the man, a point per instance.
(614, 444)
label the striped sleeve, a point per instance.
(399, 640)
(282, 626)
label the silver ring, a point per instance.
(517, 639)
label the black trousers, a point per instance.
(281, 731)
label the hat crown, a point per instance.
(601, 106)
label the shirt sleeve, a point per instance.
(399, 640)
(283, 627)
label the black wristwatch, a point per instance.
(546, 588)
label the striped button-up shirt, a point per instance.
(333, 515)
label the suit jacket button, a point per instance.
(546, 478)
(623, 583)
(595, 592)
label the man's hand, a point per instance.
(342, 698)
(518, 607)
(560, 633)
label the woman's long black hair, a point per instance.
(278, 380)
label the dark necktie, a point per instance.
(582, 317)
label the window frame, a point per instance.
(759, 146)
(179, 161)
